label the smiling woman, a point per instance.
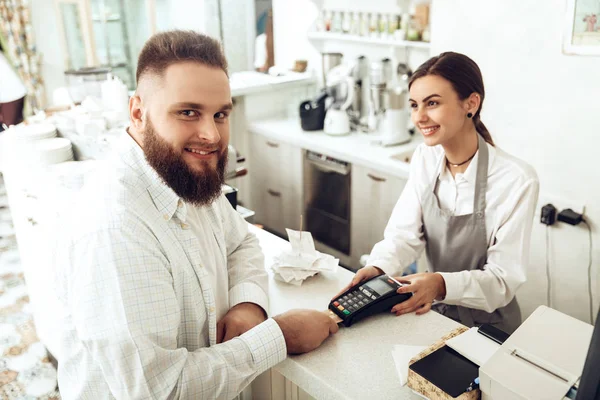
(468, 204)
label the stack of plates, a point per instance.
(34, 132)
(70, 175)
(52, 151)
(35, 145)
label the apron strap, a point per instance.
(481, 180)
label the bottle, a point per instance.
(355, 28)
(320, 24)
(392, 25)
(383, 26)
(337, 21)
(346, 22)
(404, 22)
(426, 35)
(373, 25)
(327, 20)
(364, 24)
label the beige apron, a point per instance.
(459, 243)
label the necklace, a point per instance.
(462, 163)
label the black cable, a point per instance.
(548, 297)
(590, 273)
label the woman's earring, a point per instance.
(469, 115)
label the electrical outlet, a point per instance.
(560, 202)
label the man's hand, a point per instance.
(238, 320)
(425, 288)
(305, 330)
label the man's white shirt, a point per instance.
(143, 278)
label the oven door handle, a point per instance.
(341, 170)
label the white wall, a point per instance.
(543, 107)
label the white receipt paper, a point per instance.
(474, 346)
(303, 261)
(402, 354)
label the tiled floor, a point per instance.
(25, 370)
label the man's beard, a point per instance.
(196, 187)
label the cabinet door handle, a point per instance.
(32, 221)
(272, 144)
(274, 193)
(376, 178)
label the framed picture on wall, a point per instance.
(582, 28)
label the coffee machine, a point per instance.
(388, 109)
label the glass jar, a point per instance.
(414, 31)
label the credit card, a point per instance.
(336, 318)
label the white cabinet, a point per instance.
(374, 195)
(275, 172)
(32, 218)
(271, 385)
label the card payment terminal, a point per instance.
(368, 298)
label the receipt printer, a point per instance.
(542, 359)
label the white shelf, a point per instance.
(341, 37)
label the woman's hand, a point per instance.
(425, 287)
(362, 275)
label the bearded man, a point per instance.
(162, 287)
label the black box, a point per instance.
(231, 194)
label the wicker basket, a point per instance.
(421, 385)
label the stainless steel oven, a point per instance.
(327, 200)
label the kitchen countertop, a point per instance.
(248, 82)
(355, 363)
(356, 148)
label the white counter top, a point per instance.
(248, 82)
(355, 363)
(355, 148)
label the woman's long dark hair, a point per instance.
(465, 77)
